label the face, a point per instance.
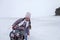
(27, 19)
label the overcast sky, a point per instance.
(18, 8)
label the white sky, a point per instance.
(18, 8)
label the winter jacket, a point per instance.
(15, 24)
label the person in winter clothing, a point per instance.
(23, 22)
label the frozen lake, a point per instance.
(43, 28)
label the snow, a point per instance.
(43, 28)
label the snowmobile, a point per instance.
(17, 34)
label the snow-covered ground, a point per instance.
(43, 28)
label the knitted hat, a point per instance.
(28, 15)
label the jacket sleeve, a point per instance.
(16, 23)
(30, 25)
